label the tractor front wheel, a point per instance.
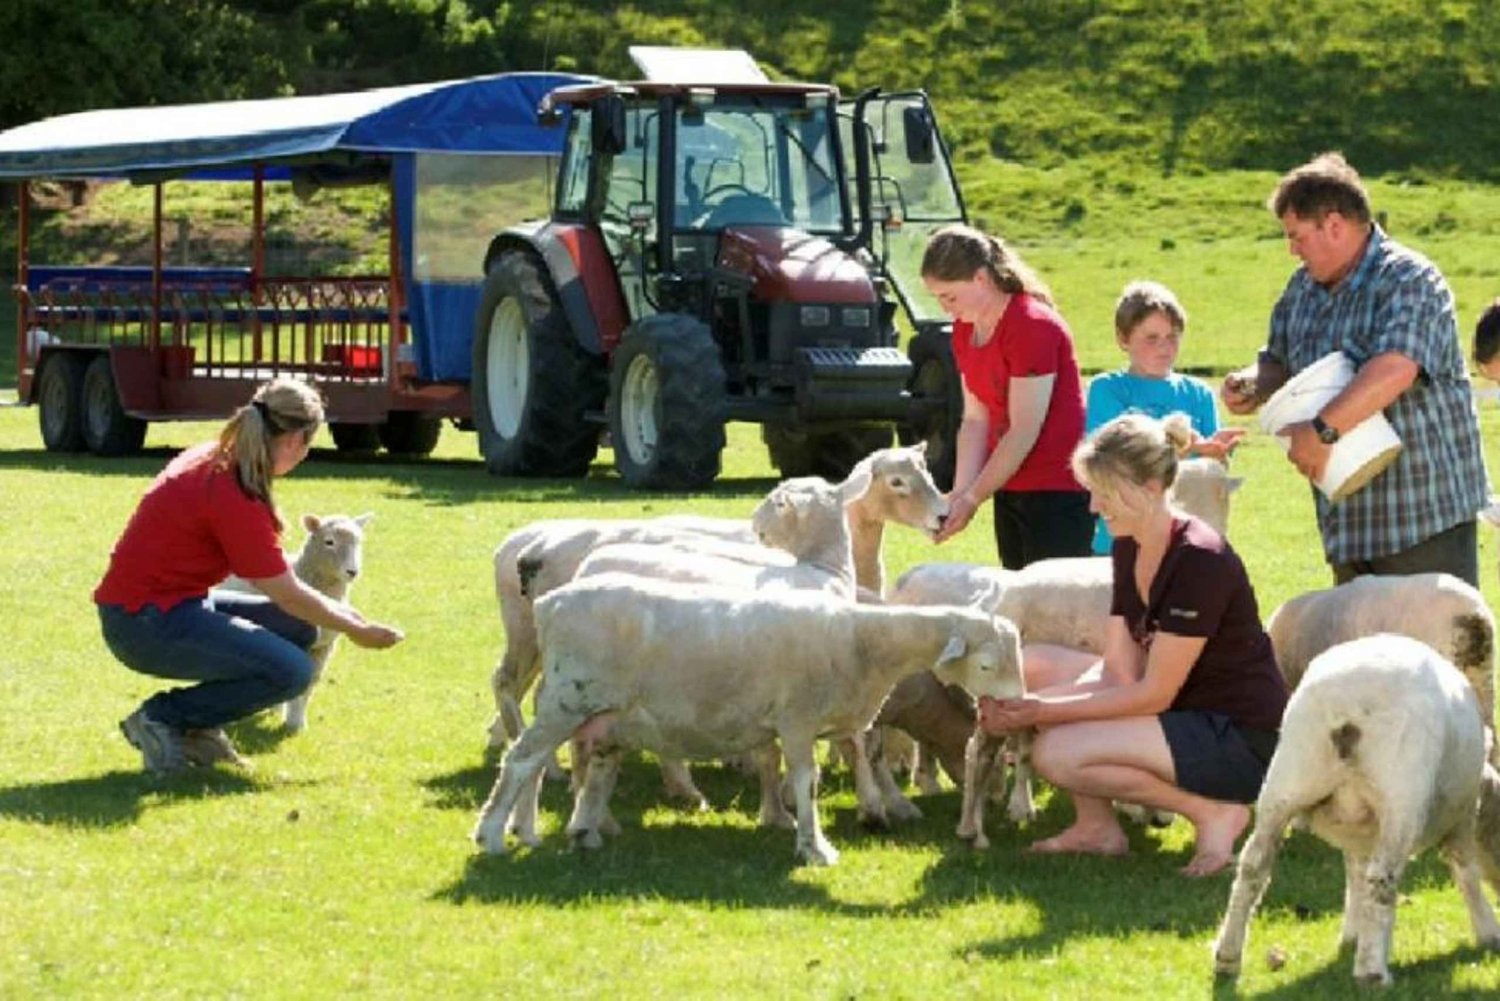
(666, 404)
(407, 432)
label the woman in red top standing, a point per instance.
(1023, 399)
(207, 515)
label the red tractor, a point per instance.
(715, 253)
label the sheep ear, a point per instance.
(920, 447)
(1234, 483)
(364, 519)
(857, 484)
(311, 522)
(954, 650)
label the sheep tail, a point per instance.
(527, 567)
(1345, 740)
(1473, 644)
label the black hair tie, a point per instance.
(265, 415)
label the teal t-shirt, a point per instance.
(1114, 393)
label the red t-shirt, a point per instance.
(194, 527)
(1031, 339)
(1201, 589)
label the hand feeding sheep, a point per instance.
(1383, 752)
(709, 672)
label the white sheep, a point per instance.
(1436, 608)
(1383, 752)
(705, 672)
(329, 561)
(901, 490)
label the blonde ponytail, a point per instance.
(281, 406)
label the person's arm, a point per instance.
(1377, 384)
(969, 447)
(1167, 666)
(296, 598)
(1030, 398)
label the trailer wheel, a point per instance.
(107, 428)
(798, 451)
(533, 386)
(666, 404)
(355, 439)
(406, 432)
(60, 402)
(935, 378)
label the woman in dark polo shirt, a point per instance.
(1182, 711)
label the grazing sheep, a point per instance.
(1383, 752)
(1436, 608)
(901, 490)
(706, 672)
(331, 558)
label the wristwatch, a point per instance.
(1327, 433)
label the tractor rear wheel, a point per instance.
(107, 428)
(829, 454)
(533, 386)
(935, 379)
(59, 397)
(666, 404)
(407, 432)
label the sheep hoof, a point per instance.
(1373, 978)
(873, 820)
(486, 838)
(981, 842)
(818, 854)
(589, 840)
(1021, 815)
(783, 820)
(1226, 968)
(903, 810)
(966, 832)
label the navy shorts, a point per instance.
(1214, 757)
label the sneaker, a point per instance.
(159, 744)
(205, 747)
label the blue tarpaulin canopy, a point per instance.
(489, 114)
(384, 129)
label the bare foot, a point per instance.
(1084, 841)
(1217, 833)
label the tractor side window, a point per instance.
(572, 192)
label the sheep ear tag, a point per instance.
(953, 651)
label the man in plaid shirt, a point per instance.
(1391, 311)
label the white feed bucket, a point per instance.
(1361, 453)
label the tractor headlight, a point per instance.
(814, 316)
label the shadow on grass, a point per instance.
(442, 481)
(1335, 979)
(116, 798)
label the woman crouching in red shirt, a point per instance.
(207, 515)
(1183, 711)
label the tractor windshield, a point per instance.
(757, 164)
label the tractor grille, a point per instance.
(859, 364)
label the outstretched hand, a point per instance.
(1002, 716)
(1220, 444)
(374, 636)
(961, 508)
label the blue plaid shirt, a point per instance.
(1394, 300)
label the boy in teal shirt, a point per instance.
(1149, 322)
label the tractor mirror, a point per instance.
(920, 138)
(608, 130)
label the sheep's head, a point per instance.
(900, 489)
(333, 551)
(983, 656)
(1202, 489)
(800, 515)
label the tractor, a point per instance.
(720, 252)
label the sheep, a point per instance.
(330, 559)
(901, 490)
(700, 672)
(1383, 752)
(1436, 608)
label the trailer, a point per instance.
(104, 350)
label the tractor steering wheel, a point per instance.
(732, 188)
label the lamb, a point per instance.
(330, 559)
(708, 672)
(1383, 752)
(1436, 608)
(901, 490)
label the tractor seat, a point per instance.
(744, 210)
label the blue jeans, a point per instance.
(247, 652)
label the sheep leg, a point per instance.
(924, 770)
(979, 765)
(677, 779)
(521, 766)
(1251, 878)
(811, 845)
(1383, 880)
(871, 804)
(591, 818)
(897, 806)
(773, 811)
(523, 820)
(1022, 808)
(1462, 855)
(294, 711)
(1355, 897)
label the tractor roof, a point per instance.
(588, 93)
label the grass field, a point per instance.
(341, 866)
